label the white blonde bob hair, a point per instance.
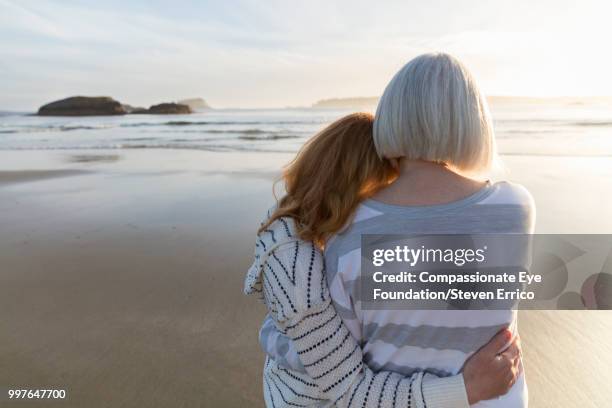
(433, 110)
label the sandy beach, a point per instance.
(122, 276)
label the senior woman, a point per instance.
(433, 123)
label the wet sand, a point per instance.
(121, 279)
(10, 177)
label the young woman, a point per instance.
(316, 359)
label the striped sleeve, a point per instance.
(298, 300)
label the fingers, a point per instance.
(498, 342)
(508, 374)
(494, 369)
(512, 363)
(513, 352)
(517, 341)
(517, 369)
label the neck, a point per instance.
(411, 167)
(427, 183)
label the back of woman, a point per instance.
(434, 122)
(440, 341)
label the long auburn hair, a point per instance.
(331, 174)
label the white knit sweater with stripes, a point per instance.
(289, 275)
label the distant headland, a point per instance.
(362, 103)
(195, 103)
(369, 102)
(107, 106)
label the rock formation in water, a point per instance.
(166, 109)
(104, 105)
(83, 106)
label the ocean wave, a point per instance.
(66, 128)
(555, 123)
(52, 128)
(593, 123)
(170, 124)
(222, 123)
(526, 131)
(246, 133)
(138, 139)
(145, 146)
(266, 148)
(241, 131)
(524, 121)
(269, 136)
(12, 113)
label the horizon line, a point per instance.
(339, 98)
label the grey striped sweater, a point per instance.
(289, 275)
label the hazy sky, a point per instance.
(279, 53)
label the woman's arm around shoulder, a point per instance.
(298, 300)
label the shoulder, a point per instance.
(269, 240)
(286, 250)
(278, 231)
(293, 272)
(514, 199)
(508, 193)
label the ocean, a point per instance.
(554, 127)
